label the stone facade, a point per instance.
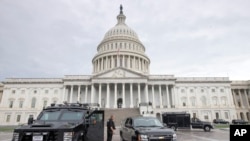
(121, 79)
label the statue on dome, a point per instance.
(121, 9)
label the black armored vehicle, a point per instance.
(63, 122)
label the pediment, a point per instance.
(119, 73)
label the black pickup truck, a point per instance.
(63, 122)
(182, 120)
(145, 129)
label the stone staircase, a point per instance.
(120, 114)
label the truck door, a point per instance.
(96, 130)
(196, 123)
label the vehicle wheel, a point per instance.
(173, 127)
(207, 128)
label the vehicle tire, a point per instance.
(173, 127)
(207, 128)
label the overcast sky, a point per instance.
(185, 38)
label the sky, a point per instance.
(184, 38)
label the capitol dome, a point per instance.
(121, 47)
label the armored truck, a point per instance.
(63, 122)
(182, 120)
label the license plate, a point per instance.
(37, 138)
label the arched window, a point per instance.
(184, 101)
(215, 101)
(192, 99)
(224, 100)
(54, 100)
(204, 101)
(33, 102)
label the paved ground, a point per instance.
(187, 135)
(193, 135)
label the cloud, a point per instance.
(47, 38)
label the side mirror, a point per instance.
(30, 120)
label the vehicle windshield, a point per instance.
(147, 122)
(62, 115)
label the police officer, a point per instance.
(110, 128)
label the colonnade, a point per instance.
(241, 94)
(127, 61)
(131, 94)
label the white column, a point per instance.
(173, 96)
(153, 96)
(139, 63)
(131, 95)
(123, 96)
(128, 61)
(86, 93)
(115, 98)
(229, 93)
(187, 91)
(98, 62)
(64, 89)
(100, 94)
(241, 101)
(123, 61)
(218, 95)
(139, 94)
(208, 97)
(245, 93)
(112, 62)
(78, 94)
(71, 94)
(134, 64)
(168, 101)
(176, 97)
(107, 98)
(146, 89)
(160, 96)
(92, 93)
(234, 98)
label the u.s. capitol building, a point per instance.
(121, 79)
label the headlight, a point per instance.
(67, 136)
(142, 137)
(15, 136)
(174, 137)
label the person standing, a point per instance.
(110, 128)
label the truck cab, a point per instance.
(182, 120)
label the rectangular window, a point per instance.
(13, 91)
(206, 117)
(226, 115)
(8, 118)
(222, 90)
(11, 104)
(20, 104)
(184, 104)
(23, 91)
(213, 90)
(46, 91)
(45, 103)
(18, 118)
